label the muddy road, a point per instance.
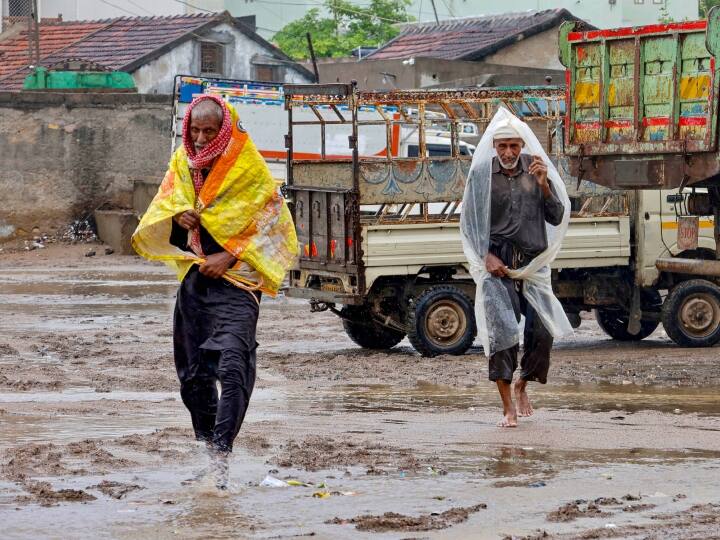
(95, 442)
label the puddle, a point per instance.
(65, 427)
(527, 465)
(600, 397)
(107, 282)
(77, 395)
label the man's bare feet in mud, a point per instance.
(524, 407)
(509, 420)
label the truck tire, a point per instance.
(360, 327)
(691, 313)
(614, 322)
(442, 321)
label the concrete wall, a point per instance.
(430, 72)
(538, 51)
(157, 76)
(64, 155)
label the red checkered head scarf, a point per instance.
(204, 158)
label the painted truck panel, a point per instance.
(650, 89)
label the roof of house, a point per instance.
(470, 38)
(122, 44)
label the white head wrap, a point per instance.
(506, 130)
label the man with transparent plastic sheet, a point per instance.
(515, 214)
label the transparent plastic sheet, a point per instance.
(497, 326)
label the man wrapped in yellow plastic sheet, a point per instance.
(515, 214)
(220, 223)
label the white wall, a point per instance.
(79, 10)
(158, 76)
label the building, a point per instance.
(494, 50)
(152, 49)
(599, 13)
(272, 15)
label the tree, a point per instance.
(705, 6)
(348, 27)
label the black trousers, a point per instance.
(214, 340)
(535, 361)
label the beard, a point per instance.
(509, 166)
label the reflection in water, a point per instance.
(600, 397)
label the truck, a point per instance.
(642, 114)
(379, 235)
(260, 106)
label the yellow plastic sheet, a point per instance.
(239, 205)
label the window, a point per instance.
(211, 58)
(19, 8)
(639, 1)
(268, 73)
(658, 1)
(439, 150)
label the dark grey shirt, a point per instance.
(519, 210)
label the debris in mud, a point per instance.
(28, 384)
(271, 481)
(630, 497)
(163, 442)
(7, 350)
(45, 495)
(35, 459)
(699, 521)
(315, 453)
(116, 490)
(49, 459)
(638, 507)
(574, 510)
(257, 445)
(608, 501)
(391, 521)
(81, 230)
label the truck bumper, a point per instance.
(328, 297)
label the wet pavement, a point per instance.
(95, 442)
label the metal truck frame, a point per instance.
(340, 204)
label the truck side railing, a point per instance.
(376, 160)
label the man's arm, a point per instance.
(554, 209)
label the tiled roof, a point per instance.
(53, 37)
(469, 38)
(123, 43)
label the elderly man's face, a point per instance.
(508, 151)
(203, 130)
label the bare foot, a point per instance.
(509, 420)
(523, 401)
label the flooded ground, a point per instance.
(94, 441)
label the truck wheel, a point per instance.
(368, 334)
(614, 322)
(442, 322)
(691, 313)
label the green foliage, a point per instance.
(705, 6)
(348, 27)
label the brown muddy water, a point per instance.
(95, 442)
